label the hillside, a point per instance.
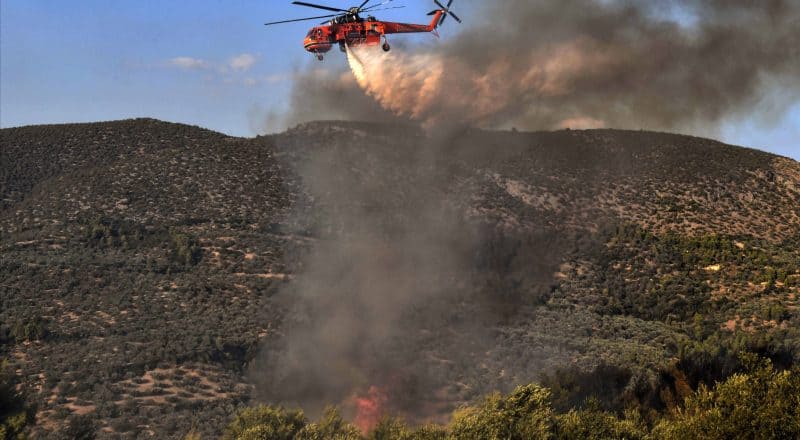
(155, 277)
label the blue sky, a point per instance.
(206, 62)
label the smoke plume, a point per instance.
(398, 287)
(680, 64)
(394, 303)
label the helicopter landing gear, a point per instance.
(320, 57)
(342, 46)
(386, 47)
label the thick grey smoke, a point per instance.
(398, 288)
(389, 247)
(680, 64)
(330, 93)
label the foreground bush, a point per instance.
(265, 422)
(763, 403)
(594, 424)
(524, 414)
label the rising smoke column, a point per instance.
(680, 64)
(372, 303)
(374, 295)
(398, 288)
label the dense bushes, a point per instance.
(524, 414)
(281, 424)
(670, 277)
(14, 415)
(32, 330)
(595, 424)
(762, 403)
(109, 232)
(185, 247)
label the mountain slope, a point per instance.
(152, 268)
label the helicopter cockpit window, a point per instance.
(313, 33)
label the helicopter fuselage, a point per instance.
(352, 30)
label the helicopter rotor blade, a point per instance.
(312, 5)
(371, 7)
(446, 11)
(363, 4)
(386, 9)
(300, 19)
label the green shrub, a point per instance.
(79, 427)
(761, 404)
(390, 428)
(524, 414)
(330, 427)
(266, 423)
(186, 250)
(32, 330)
(14, 416)
(594, 424)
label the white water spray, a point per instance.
(434, 88)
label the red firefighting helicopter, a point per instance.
(348, 28)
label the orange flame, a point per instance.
(370, 409)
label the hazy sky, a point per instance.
(206, 62)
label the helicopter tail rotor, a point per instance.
(446, 12)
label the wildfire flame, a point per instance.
(370, 409)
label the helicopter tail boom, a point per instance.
(408, 28)
(437, 17)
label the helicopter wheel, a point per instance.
(386, 47)
(320, 57)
